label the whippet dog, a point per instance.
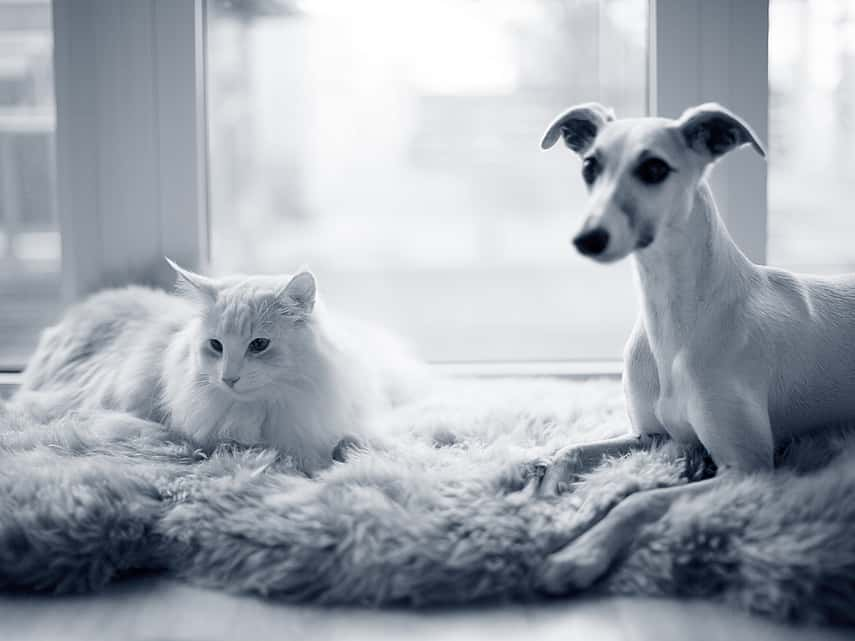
(727, 354)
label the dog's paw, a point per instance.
(546, 477)
(576, 567)
(523, 477)
(532, 472)
(560, 475)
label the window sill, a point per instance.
(529, 369)
(9, 382)
(575, 370)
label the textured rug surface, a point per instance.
(439, 514)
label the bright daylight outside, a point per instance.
(812, 130)
(29, 235)
(393, 147)
(412, 182)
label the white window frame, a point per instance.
(702, 51)
(131, 139)
(132, 149)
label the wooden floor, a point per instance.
(159, 609)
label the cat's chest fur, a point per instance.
(209, 417)
(305, 424)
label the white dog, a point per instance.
(729, 354)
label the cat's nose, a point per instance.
(230, 381)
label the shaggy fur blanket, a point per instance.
(441, 513)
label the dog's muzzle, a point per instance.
(592, 242)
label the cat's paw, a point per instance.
(444, 438)
(345, 447)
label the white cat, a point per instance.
(252, 359)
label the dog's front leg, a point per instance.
(732, 422)
(582, 562)
(641, 382)
(581, 458)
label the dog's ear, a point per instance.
(578, 126)
(711, 130)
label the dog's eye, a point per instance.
(216, 345)
(652, 171)
(590, 170)
(258, 345)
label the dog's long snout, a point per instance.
(592, 242)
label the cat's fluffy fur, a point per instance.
(149, 353)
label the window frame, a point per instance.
(131, 140)
(703, 51)
(132, 185)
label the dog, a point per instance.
(736, 357)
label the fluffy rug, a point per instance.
(442, 514)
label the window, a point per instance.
(29, 236)
(393, 147)
(812, 135)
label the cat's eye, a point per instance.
(590, 170)
(652, 171)
(258, 345)
(216, 345)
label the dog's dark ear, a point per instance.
(578, 126)
(711, 130)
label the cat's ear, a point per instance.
(300, 293)
(194, 285)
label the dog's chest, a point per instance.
(672, 407)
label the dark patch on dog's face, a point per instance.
(645, 236)
(628, 209)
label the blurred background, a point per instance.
(29, 234)
(393, 148)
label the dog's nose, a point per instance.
(592, 242)
(231, 381)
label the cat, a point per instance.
(250, 359)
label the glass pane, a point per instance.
(394, 148)
(29, 236)
(812, 135)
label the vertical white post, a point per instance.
(131, 150)
(704, 51)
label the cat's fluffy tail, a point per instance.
(396, 373)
